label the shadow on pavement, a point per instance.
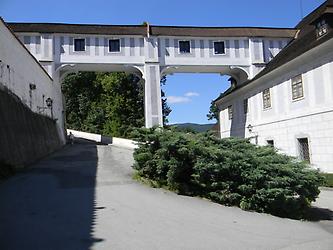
(319, 214)
(52, 204)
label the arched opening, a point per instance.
(189, 95)
(103, 99)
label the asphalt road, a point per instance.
(83, 197)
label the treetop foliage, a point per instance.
(104, 103)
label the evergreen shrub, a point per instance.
(230, 171)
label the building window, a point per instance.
(297, 87)
(114, 45)
(230, 113)
(219, 48)
(322, 28)
(266, 96)
(303, 148)
(246, 106)
(79, 44)
(184, 47)
(270, 143)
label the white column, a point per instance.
(153, 103)
(59, 107)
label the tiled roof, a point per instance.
(154, 30)
(78, 28)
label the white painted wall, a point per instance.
(119, 142)
(287, 120)
(136, 50)
(19, 69)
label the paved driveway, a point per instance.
(83, 197)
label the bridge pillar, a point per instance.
(153, 102)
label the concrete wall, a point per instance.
(28, 128)
(25, 136)
(287, 120)
(119, 142)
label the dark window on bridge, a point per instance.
(114, 45)
(79, 44)
(219, 48)
(270, 143)
(184, 47)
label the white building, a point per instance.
(22, 75)
(151, 52)
(289, 104)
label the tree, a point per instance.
(213, 112)
(122, 100)
(105, 103)
(166, 110)
(80, 91)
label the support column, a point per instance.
(153, 102)
(59, 106)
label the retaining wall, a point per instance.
(25, 136)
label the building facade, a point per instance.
(22, 75)
(151, 52)
(31, 105)
(289, 104)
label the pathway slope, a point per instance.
(83, 197)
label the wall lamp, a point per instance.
(49, 102)
(250, 128)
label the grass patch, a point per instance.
(328, 180)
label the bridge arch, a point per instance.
(240, 74)
(150, 52)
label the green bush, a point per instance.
(232, 171)
(328, 180)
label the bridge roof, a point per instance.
(222, 31)
(188, 31)
(78, 28)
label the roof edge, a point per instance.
(25, 48)
(157, 26)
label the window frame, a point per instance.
(85, 44)
(295, 83)
(230, 112)
(322, 28)
(182, 53)
(113, 39)
(219, 41)
(299, 150)
(270, 99)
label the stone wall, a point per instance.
(25, 136)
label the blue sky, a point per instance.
(189, 94)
